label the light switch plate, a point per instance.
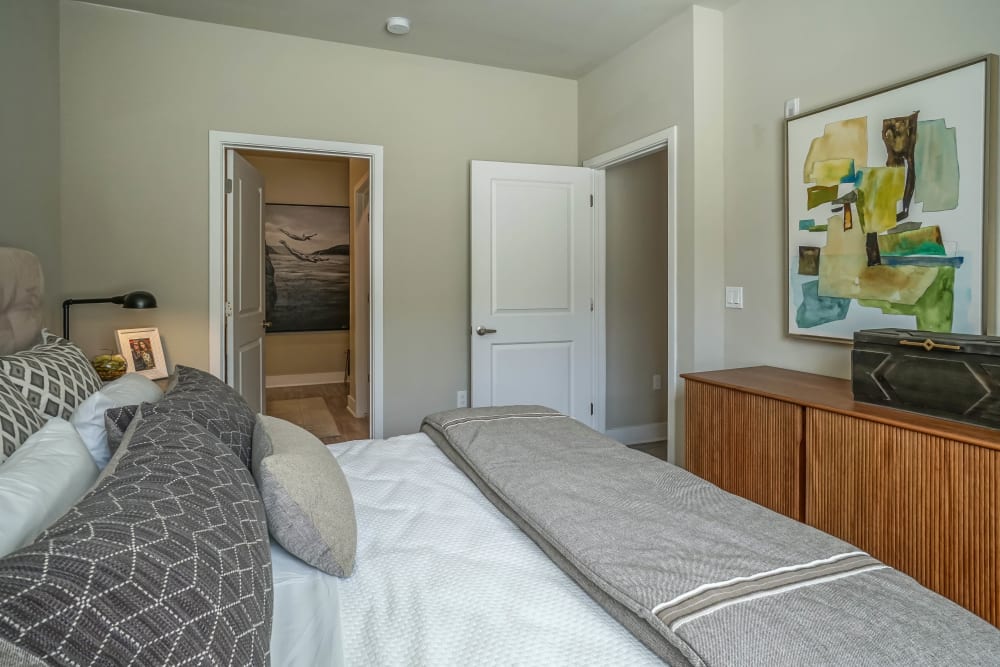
(734, 297)
(461, 399)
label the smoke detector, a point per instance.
(398, 25)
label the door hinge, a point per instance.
(229, 186)
(229, 309)
(591, 201)
(591, 408)
(591, 305)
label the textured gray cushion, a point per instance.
(55, 376)
(116, 422)
(207, 400)
(18, 419)
(165, 562)
(306, 497)
(12, 655)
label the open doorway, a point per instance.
(324, 300)
(659, 175)
(636, 301)
(311, 270)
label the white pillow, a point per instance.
(42, 479)
(88, 419)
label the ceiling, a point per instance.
(565, 38)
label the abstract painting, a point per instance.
(886, 200)
(307, 267)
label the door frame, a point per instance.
(219, 253)
(662, 140)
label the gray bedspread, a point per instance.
(702, 577)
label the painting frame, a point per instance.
(978, 281)
(307, 267)
(142, 350)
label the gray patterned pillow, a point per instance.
(207, 400)
(166, 561)
(55, 376)
(116, 422)
(18, 420)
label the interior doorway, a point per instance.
(311, 227)
(664, 143)
(636, 302)
(312, 268)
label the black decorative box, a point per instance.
(954, 376)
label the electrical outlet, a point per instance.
(657, 382)
(462, 399)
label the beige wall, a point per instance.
(636, 291)
(772, 53)
(672, 77)
(318, 182)
(29, 137)
(139, 95)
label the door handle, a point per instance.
(266, 324)
(482, 331)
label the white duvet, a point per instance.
(442, 578)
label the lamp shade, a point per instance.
(138, 300)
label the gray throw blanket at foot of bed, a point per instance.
(702, 577)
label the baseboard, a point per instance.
(352, 407)
(300, 379)
(637, 435)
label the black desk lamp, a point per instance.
(130, 300)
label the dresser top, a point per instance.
(834, 395)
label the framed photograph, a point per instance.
(143, 351)
(307, 267)
(888, 198)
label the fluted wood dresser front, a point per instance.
(919, 493)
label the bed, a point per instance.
(509, 535)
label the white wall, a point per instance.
(671, 77)
(636, 291)
(29, 137)
(139, 95)
(821, 53)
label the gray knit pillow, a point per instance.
(55, 376)
(306, 497)
(18, 419)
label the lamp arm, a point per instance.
(69, 302)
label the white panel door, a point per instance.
(360, 293)
(245, 280)
(532, 286)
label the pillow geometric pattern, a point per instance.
(116, 422)
(165, 562)
(207, 400)
(55, 376)
(18, 420)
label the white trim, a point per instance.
(218, 142)
(634, 150)
(639, 434)
(665, 139)
(304, 379)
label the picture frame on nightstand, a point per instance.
(143, 351)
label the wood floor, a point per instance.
(657, 449)
(335, 395)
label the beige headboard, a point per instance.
(22, 288)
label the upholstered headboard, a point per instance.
(22, 287)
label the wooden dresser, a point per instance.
(919, 493)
